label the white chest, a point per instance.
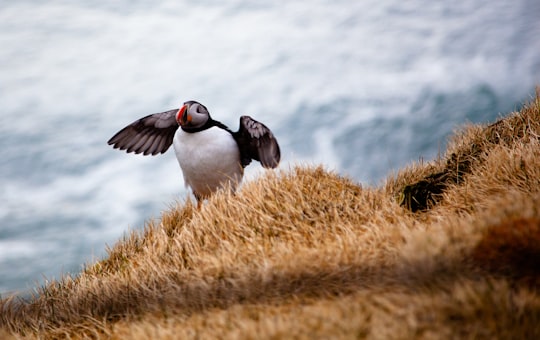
(209, 159)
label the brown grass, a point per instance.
(306, 253)
(511, 248)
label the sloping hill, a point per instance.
(449, 248)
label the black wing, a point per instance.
(152, 134)
(257, 142)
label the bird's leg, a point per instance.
(199, 200)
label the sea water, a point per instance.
(363, 87)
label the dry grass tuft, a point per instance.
(466, 153)
(511, 248)
(307, 253)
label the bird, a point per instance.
(211, 156)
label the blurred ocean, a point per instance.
(363, 87)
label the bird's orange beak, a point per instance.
(182, 117)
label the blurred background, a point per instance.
(363, 87)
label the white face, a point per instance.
(192, 115)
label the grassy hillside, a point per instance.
(445, 249)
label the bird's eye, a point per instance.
(202, 109)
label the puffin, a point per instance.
(211, 156)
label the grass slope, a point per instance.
(446, 249)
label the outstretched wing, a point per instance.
(257, 142)
(152, 134)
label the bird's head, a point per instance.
(192, 115)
